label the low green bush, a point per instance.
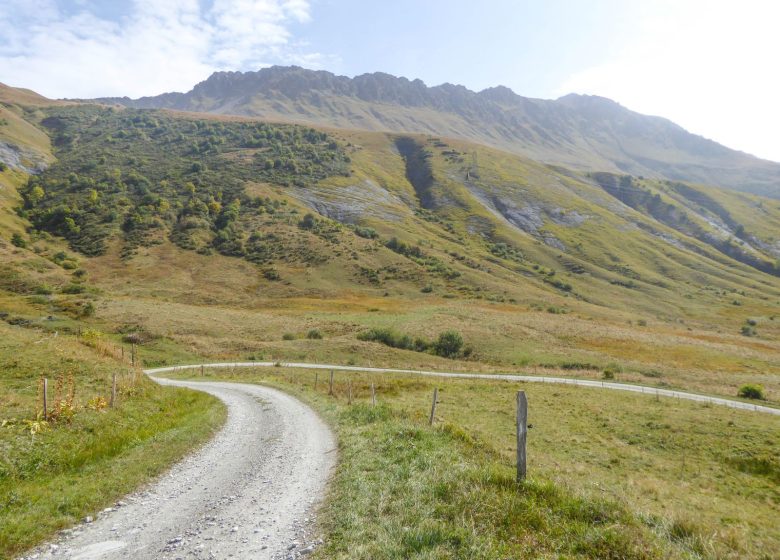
(448, 344)
(366, 232)
(73, 289)
(750, 391)
(18, 241)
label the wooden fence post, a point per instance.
(522, 433)
(316, 378)
(433, 405)
(113, 390)
(330, 387)
(45, 399)
(349, 399)
(202, 371)
(132, 354)
(373, 395)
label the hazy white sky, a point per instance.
(710, 65)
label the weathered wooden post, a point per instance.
(132, 354)
(202, 371)
(433, 405)
(373, 395)
(45, 399)
(349, 398)
(113, 390)
(316, 378)
(522, 433)
(330, 387)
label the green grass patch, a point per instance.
(610, 475)
(91, 456)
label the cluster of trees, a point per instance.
(448, 344)
(136, 172)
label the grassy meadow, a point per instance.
(610, 475)
(87, 455)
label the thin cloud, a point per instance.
(157, 47)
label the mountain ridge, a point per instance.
(584, 132)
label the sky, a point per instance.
(710, 66)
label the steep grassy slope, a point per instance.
(581, 132)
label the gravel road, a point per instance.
(249, 493)
(632, 388)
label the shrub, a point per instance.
(271, 274)
(420, 345)
(43, 290)
(288, 336)
(751, 392)
(388, 337)
(608, 374)
(314, 334)
(3, 167)
(366, 232)
(308, 222)
(556, 310)
(411, 251)
(427, 289)
(747, 330)
(73, 289)
(18, 241)
(448, 344)
(560, 284)
(578, 365)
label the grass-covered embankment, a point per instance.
(91, 455)
(610, 475)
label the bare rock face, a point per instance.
(22, 160)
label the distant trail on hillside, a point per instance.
(654, 391)
(248, 494)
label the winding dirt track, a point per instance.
(249, 493)
(654, 391)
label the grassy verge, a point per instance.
(611, 475)
(74, 467)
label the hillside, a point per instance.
(288, 228)
(197, 238)
(580, 132)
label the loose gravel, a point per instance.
(251, 492)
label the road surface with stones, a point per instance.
(251, 492)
